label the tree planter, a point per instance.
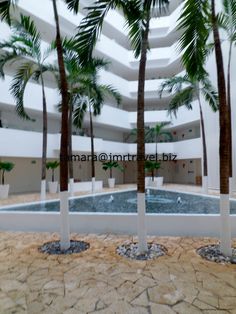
(159, 181)
(111, 183)
(147, 181)
(4, 191)
(53, 186)
(109, 165)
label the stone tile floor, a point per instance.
(99, 281)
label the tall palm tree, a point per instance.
(224, 139)
(64, 202)
(198, 20)
(89, 95)
(25, 46)
(85, 94)
(138, 14)
(227, 20)
(188, 89)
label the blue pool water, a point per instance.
(159, 202)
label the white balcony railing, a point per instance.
(29, 145)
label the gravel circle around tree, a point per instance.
(130, 250)
(212, 253)
(54, 247)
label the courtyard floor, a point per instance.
(99, 281)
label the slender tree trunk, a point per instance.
(52, 175)
(230, 118)
(141, 144)
(44, 148)
(70, 151)
(92, 147)
(3, 177)
(64, 203)
(92, 144)
(224, 141)
(204, 149)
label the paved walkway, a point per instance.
(99, 281)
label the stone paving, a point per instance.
(99, 281)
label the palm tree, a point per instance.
(152, 166)
(138, 14)
(64, 202)
(25, 43)
(85, 94)
(198, 19)
(73, 5)
(134, 132)
(188, 89)
(89, 95)
(158, 132)
(224, 139)
(227, 20)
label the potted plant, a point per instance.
(109, 165)
(152, 166)
(52, 185)
(5, 166)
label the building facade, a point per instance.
(21, 141)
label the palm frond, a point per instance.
(195, 35)
(90, 27)
(19, 83)
(174, 84)
(7, 58)
(109, 90)
(26, 33)
(73, 5)
(227, 18)
(5, 7)
(80, 109)
(210, 94)
(183, 98)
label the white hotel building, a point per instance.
(21, 141)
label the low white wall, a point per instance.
(157, 224)
(87, 186)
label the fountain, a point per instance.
(179, 200)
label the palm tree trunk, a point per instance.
(225, 244)
(64, 203)
(92, 149)
(230, 118)
(70, 151)
(3, 177)
(142, 245)
(44, 148)
(204, 149)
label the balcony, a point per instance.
(29, 145)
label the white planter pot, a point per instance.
(147, 181)
(111, 182)
(4, 191)
(153, 183)
(52, 187)
(159, 181)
